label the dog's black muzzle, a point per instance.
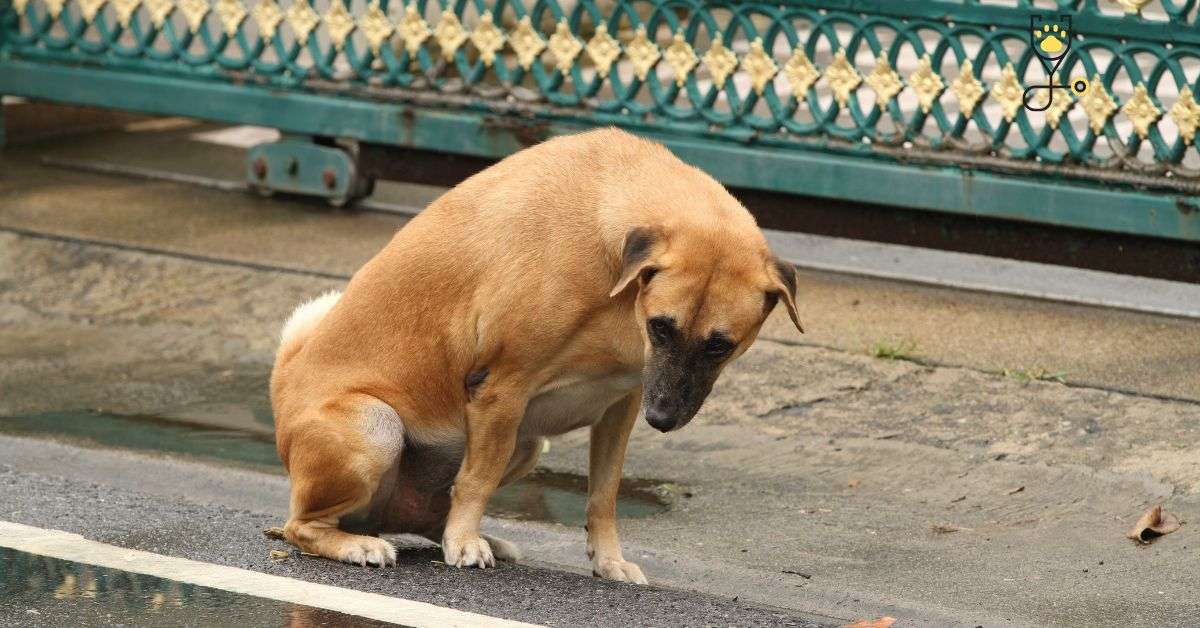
(673, 393)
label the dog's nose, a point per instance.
(659, 419)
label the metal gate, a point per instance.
(915, 103)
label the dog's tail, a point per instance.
(303, 321)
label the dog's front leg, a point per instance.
(492, 423)
(609, 438)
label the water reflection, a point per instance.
(155, 433)
(41, 591)
(562, 498)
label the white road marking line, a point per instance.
(73, 547)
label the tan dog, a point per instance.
(565, 287)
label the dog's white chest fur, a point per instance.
(573, 402)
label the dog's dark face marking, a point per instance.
(679, 372)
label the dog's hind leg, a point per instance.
(335, 462)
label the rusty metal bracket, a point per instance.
(300, 165)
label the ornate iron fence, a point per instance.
(916, 103)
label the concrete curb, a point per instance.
(987, 274)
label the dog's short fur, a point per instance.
(568, 286)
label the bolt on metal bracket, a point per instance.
(298, 165)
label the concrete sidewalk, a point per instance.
(1116, 350)
(938, 491)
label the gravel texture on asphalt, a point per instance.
(234, 537)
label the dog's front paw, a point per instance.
(468, 552)
(367, 550)
(618, 569)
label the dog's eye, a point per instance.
(718, 347)
(660, 329)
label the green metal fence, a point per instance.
(916, 103)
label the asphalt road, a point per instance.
(221, 534)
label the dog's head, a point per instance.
(701, 298)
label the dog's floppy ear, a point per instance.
(785, 288)
(636, 256)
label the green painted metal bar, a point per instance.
(5, 27)
(1174, 31)
(793, 170)
(978, 193)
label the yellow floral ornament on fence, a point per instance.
(231, 13)
(449, 34)
(603, 50)
(842, 78)
(527, 43)
(565, 47)
(759, 66)
(801, 74)
(488, 39)
(681, 58)
(642, 53)
(413, 29)
(375, 27)
(720, 61)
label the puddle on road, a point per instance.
(43, 591)
(562, 498)
(541, 496)
(151, 434)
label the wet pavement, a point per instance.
(149, 433)
(42, 591)
(179, 525)
(823, 480)
(194, 433)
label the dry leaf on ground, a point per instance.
(882, 622)
(1153, 524)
